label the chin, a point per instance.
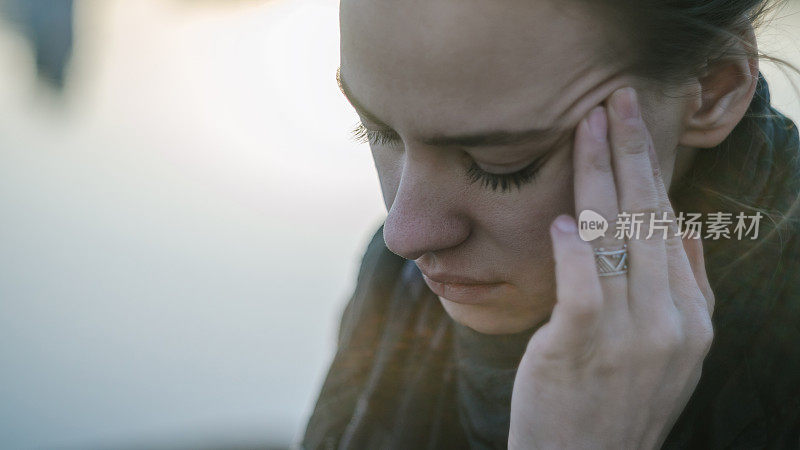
(495, 319)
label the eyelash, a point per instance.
(362, 135)
(504, 182)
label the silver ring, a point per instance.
(611, 262)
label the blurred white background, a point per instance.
(182, 225)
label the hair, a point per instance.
(672, 41)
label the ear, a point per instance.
(723, 94)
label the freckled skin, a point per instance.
(459, 66)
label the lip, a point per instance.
(463, 290)
(455, 279)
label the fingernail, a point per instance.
(566, 224)
(598, 123)
(625, 103)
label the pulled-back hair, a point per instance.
(672, 41)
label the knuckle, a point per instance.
(598, 161)
(614, 356)
(667, 343)
(666, 337)
(703, 336)
(707, 339)
(586, 307)
(633, 142)
(644, 206)
(606, 368)
(711, 302)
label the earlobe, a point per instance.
(721, 98)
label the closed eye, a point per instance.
(506, 181)
(493, 181)
(363, 135)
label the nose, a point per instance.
(426, 214)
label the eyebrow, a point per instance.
(493, 138)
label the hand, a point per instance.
(620, 356)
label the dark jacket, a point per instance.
(406, 376)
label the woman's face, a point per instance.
(452, 91)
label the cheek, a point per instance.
(519, 223)
(664, 118)
(665, 142)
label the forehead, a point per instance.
(443, 65)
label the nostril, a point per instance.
(399, 236)
(427, 212)
(411, 234)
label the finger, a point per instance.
(576, 315)
(686, 273)
(697, 312)
(693, 246)
(595, 192)
(638, 197)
